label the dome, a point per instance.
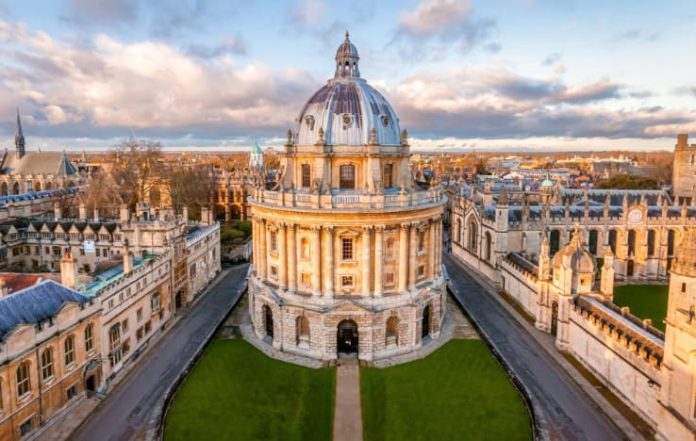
(347, 110)
(574, 256)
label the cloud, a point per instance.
(102, 11)
(552, 59)
(233, 45)
(309, 13)
(635, 34)
(434, 25)
(104, 87)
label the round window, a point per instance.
(347, 119)
(385, 120)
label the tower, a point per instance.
(19, 138)
(68, 270)
(679, 364)
(684, 168)
(256, 157)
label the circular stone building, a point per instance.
(346, 244)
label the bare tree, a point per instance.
(103, 193)
(189, 186)
(136, 169)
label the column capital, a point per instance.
(328, 228)
(379, 228)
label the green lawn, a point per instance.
(645, 301)
(238, 393)
(457, 393)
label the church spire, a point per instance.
(19, 138)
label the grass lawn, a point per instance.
(457, 393)
(236, 392)
(645, 301)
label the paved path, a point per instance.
(568, 412)
(347, 416)
(125, 410)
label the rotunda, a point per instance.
(347, 244)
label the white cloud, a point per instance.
(434, 16)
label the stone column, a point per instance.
(379, 260)
(292, 258)
(316, 262)
(366, 263)
(262, 249)
(266, 253)
(403, 258)
(413, 245)
(328, 263)
(282, 257)
(432, 248)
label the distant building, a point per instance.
(684, 169)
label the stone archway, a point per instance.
(347, 337)
(268, 321)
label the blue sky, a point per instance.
(470, 74)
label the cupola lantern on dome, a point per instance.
(347, 59)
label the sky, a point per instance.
(468, 74)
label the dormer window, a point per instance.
(347, 120)
(309, 121)
(385, 120)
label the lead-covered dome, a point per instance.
(347, 109)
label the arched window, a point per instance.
(89, 337)
(651, 243)
(554, 242)
(472, 232)
(612, 241)
(304, 248)
(302, 332)
(631, 242)
(388, 175)
(458, 232)
(47, 364)
(347, 177)
(23, 381)
(306, 175)
(594, 239)
(49, 186)
(37, 186)
(15, 188)
(3, 189)
(392, 332)
(69, 350)
(115, 343)
(488, 246)
(268, 321)
(670, 243)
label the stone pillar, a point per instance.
(432, 248)
(366, 263)
(262, 257)
(379, 260)
(292, 259)
(267, 250)
(316, 262)
(438, 238)
(282, 257)
(403, 258)
(413, 245)
(328, 262)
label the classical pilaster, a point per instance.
(403, 257)
(328, 262)
(432, 248)
(379, 260)
(413, 245)
(316, 262)
(292, 258)
(438, 243)
(366, 261)
(262, 249)
(267, 265)
(282, 257)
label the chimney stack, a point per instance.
(124, 213)
(185, 214)
(82, 212)
(57, 212)
(205, 216)
(68, 270)
(96, 214)
(127, 259)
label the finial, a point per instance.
(347, 35)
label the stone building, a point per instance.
(25, 172)
(684, 168)
(50, 354)
(346, 243)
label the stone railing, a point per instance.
(348, 200)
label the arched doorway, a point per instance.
(554, 318)
(347, 337)
(425, 329)
(268, 321)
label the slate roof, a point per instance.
(36, 163)
(35, 304)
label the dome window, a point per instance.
(347, 120)
(385, 120)
(309, 120)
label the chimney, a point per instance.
(127, 262)
(185, 214)
(682, 140)
(96, 214)
(82, 212)
(124, 213)
(57, 212)
(205, 216)
(68, 270)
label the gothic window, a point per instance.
(594, 235)
(488, 246)
(347, 177)
(23, 382)
(89, 337)
(47, 364)
(554, 242)
(15, 188)
(612, 241)
(347, 248)
(473, 235)
(670, 243)
(69, 350)
(631, 242)
(306, 176)
(388, 175)
(651, 243)
(3, 189)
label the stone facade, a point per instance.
(346, 243)
(684, 168)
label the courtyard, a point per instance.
(645, 301)
(458, 392)
(236, 392)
